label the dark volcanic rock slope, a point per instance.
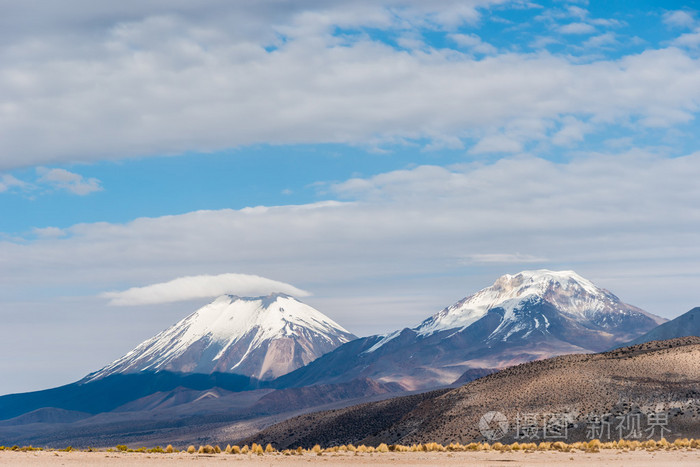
(656, 376)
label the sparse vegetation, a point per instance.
(592, 446)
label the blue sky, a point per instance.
(386, 157)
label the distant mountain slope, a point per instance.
(112, 391)
(654, 377)
(523, 317)
(181, 415)
(687, 324)
(46, 415)
(262, 337)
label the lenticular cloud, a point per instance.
(191, 287)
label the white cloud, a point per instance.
(607, 22)
(572, 131)
(577, 12)
(504, 258)
(496, 144)
(691, 39)
(601, 40)
(542, 42)
(144, 80)
(474, 43)
(64, 180)
(7, 182)
(595, 211)
(49, 232)
(679, 18)
(576, 28)
(204, 286)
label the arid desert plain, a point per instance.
(610, 458)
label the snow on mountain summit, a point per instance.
(263, 337)
(572, 295)
(551, 311)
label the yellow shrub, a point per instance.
(682, 443)
(559, 446)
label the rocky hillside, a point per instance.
(656, 377)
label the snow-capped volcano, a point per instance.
(527, 316)
(570, 294)
(262, 337)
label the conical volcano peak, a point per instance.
(263, 337)
(569, 293)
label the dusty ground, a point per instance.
(612, 457)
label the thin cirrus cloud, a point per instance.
(9, 182)
(679, 19)
(63, 179)
(503, 258)
(203, 286)
(576, 28)
(51, 179)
